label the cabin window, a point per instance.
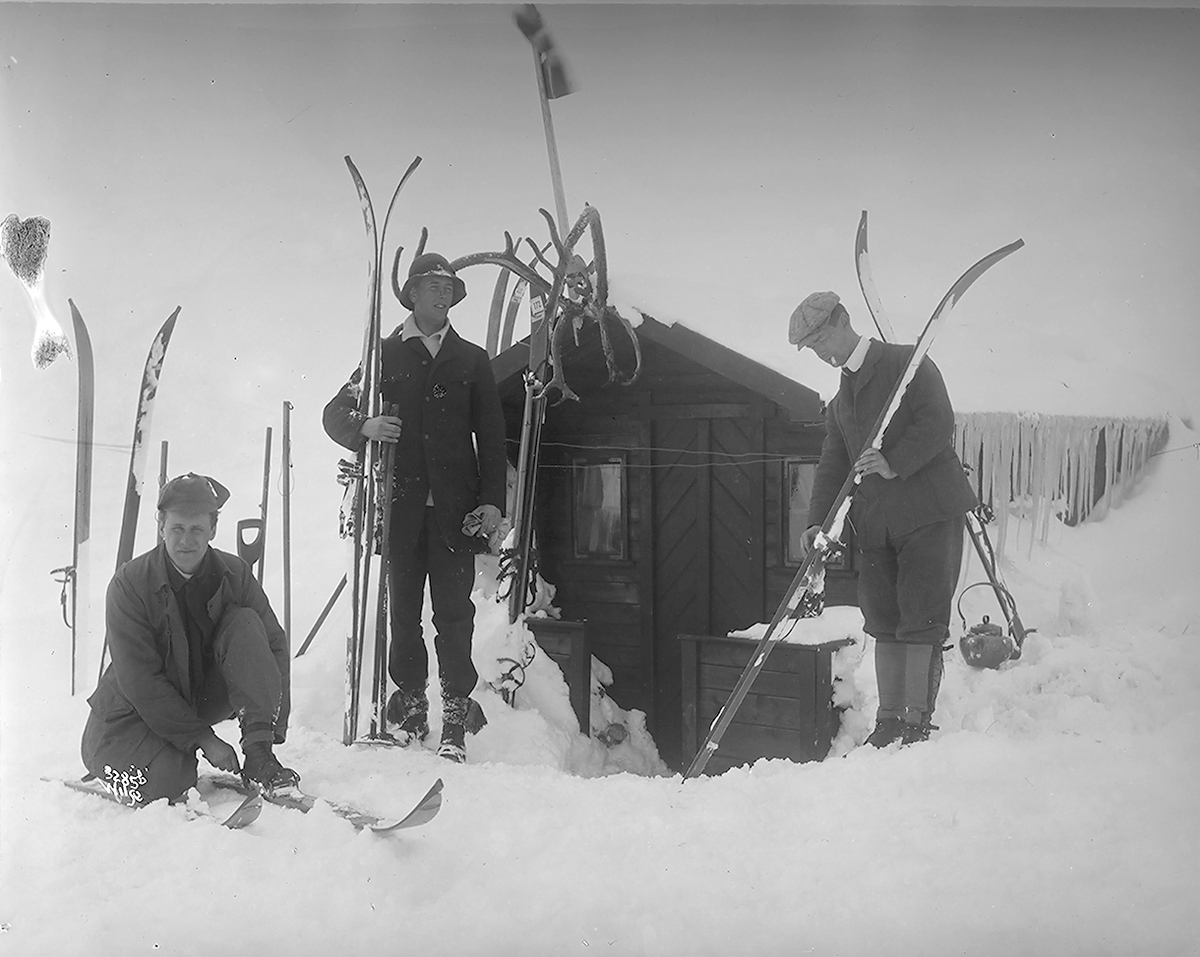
(598, 506)
(797, 483)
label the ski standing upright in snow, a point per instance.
(804, 596)
(138, 451)
(75, 576)
(362, 500)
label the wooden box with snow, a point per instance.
(789, 713)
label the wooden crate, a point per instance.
(788, 713)
(567, 643)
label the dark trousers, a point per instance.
(412, 560)
(244, 681)
(905, 589)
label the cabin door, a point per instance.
(708, 546)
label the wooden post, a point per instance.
(286, 468)
(560, 198)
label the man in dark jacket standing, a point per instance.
(907, 514)
(194, 642)
(450, 472)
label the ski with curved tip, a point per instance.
(137, 454)
(866, 282)
(361, 502)
(424, 811)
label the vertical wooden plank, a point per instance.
(580, 678)
(690, 653)
(806, 681)
(826, 716)
(758, 543)
(647, 541)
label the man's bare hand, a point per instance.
(382, 428)
(807, 538)
(872, 462)
(219, 754)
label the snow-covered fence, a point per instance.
(1042, 466)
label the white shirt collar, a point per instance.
(854, 362)
(433, 342)
(411, 330)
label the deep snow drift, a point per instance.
(1053, 813)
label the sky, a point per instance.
(192, 155)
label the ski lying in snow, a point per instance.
(809, 582)
(423, 812)
(245, 813)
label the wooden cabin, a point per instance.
(672, 506)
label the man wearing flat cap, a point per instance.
(449, 492)
(194, 642)
(907, 514)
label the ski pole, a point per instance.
(321, 617)
(286, 468)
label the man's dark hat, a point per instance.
(193, 494)
(430, 264)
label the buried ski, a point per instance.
(245, 813)
(424, 811)
(809, 581)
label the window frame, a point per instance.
(843, 561)
(579, 462)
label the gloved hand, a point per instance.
(483, 521)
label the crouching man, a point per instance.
(194, 642)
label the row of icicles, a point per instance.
(1053, 466)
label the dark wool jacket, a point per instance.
(148, 685)
(452, 436)
(930, 484)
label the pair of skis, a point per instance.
(809, 580)
(1010, 646)
(246, 812)
(75, 575)
(372, 469)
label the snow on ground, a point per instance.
(1053, 813)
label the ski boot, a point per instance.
(409, 710)
(454, 718)
(886, 731)
(913, 732)
(261, 769)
